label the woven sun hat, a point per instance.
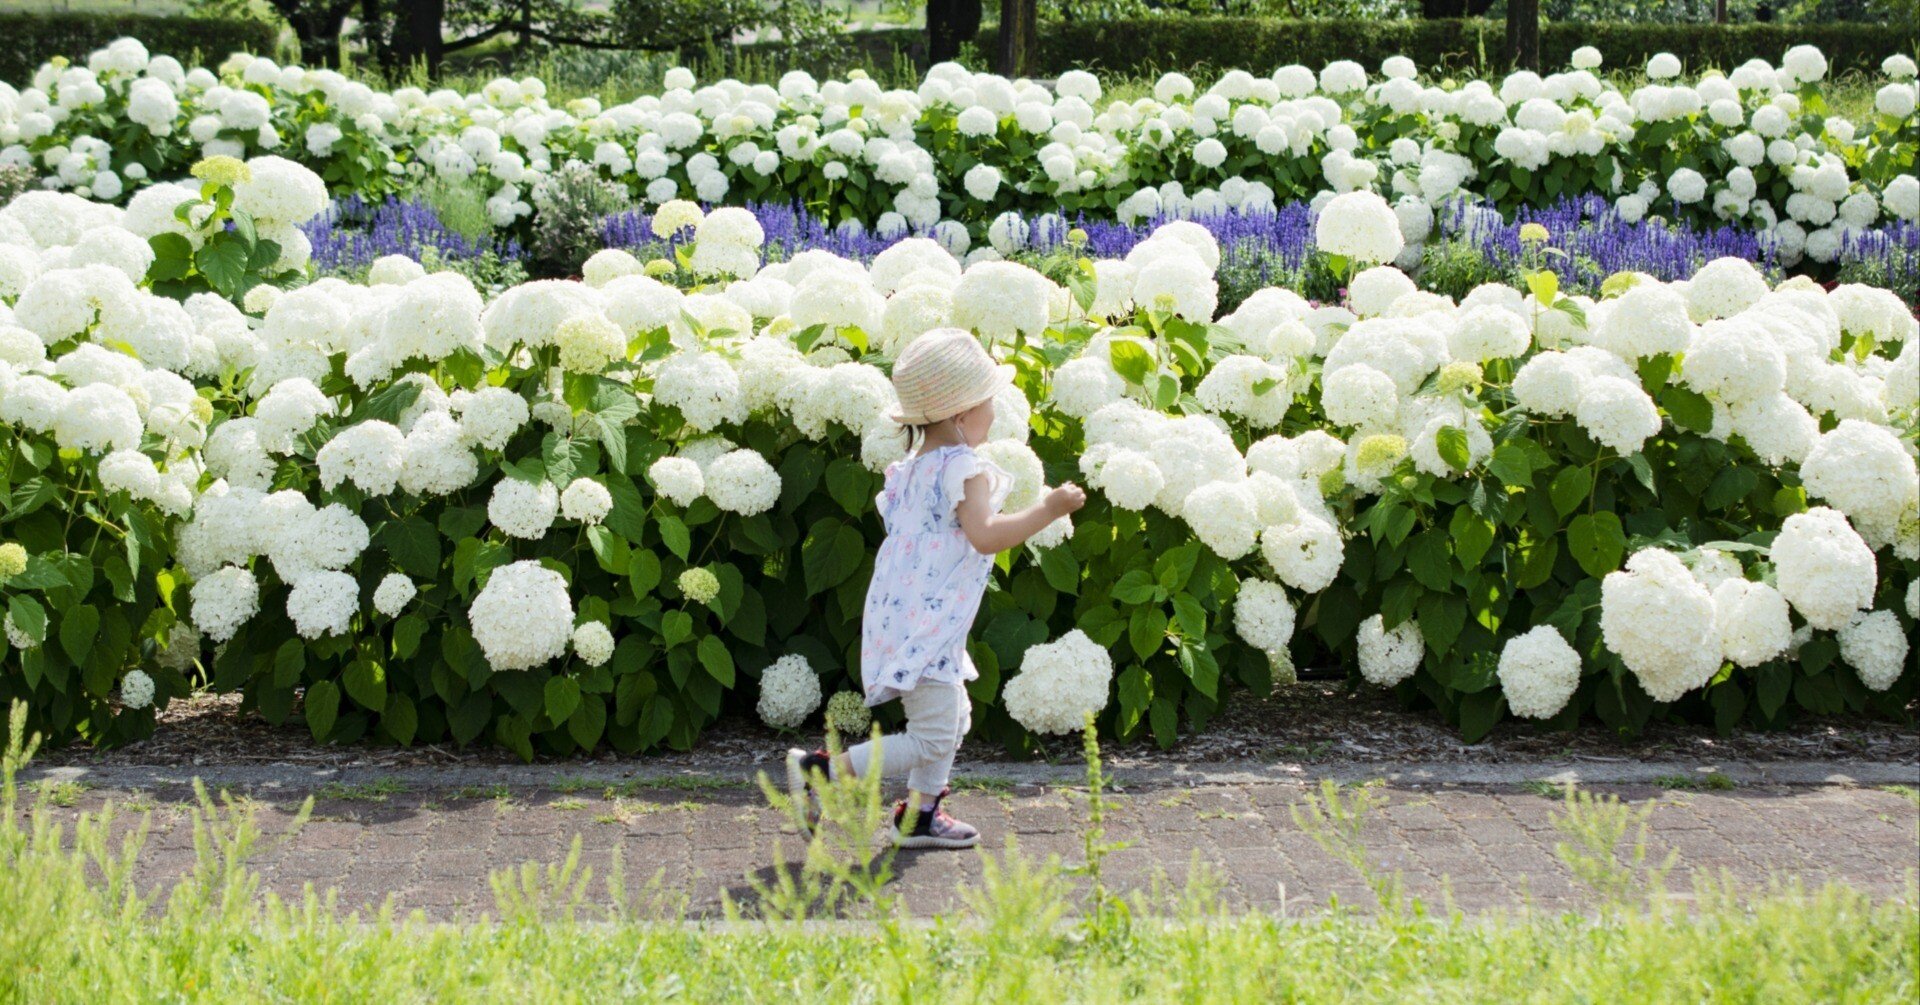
(942, 374)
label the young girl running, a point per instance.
(941, 507)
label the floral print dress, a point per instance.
(927, 579)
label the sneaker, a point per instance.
(802, 768)
(933, 828)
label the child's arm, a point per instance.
(991, 533)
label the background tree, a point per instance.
(951, 24)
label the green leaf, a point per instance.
(588, 722)
(1775, 681)
(1130, 360)
(1147, 630)
(1730, 486)
(628, 517)
(469, 719)
(289, 662)
(1689, 409)
(1451, 442)
(1597, 542)
(172, 257)
(643, 571)
(851, 485)
(1135, 689)
(78, 628)
(1429, 560)
(387, 403)
(1472, 536)
(1166, 722)
(1134, 587)
(400, 720)
(28, 617)
(1174, 567)
(1514, 463)
(1061, 571)
(414, 545)
(366, 682)
(407, 633)
(609, 550)
(1200, 667)
(1479, 712)
(1440, 619)
(717, 661)
(562, 696)
(831, 552)
(676, 627)
(322, 705)
(1190, 616)
(675, 535)
(223, 260)
(1569, 490)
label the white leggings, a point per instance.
(938, 715)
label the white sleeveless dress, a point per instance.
(927, 580)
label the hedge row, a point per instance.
(33, 39)
(1160, 44)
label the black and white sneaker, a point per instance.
(803, 767)
(933, 828)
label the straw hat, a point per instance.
(942, 374)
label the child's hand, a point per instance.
(1065, 499)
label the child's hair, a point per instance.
(915, 435)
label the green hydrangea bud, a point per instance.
(699, 585)
(848, 715)
(13, 560)
(1459, 377)
(222, 170)
(1533, 233)
(657, 268)
(1380, 452)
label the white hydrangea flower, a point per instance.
(1263, 615)
(367, 454)
(1059, 684)
(1823, 567)
(1617, 413)
(742, 482)
(1538, 673)
(1305, 554)
(136, 689)
(393, 594)
(593, 643)
(1875, 647)
(1388, 657)
(1753, 622)
(1224, 517)
(223, 601)
(523, 509)
(1130, 479)
(1359, 226)
(323, 603)
(789, 692)
(523, 617)
(677, 479)
(1660, 621)
(586, 501)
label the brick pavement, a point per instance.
(1487, 846)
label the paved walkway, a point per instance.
(1491, 843)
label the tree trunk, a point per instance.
(1523, 34)
(950, 23)
(416, 35)
(1017, 36)
(317, 27)
(1719, 11)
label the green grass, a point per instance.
(74, 927)
(1906, 792)
(1712, 781)
(375, 791)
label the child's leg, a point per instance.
(931, 737)
(928, 779)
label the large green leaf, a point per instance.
(561, 696)
(717, 661)
(79, 626)
(366, 682)
(831, 552)
(1597, 542)
(322, 705)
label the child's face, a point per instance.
(975, 422)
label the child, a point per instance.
(941, 507)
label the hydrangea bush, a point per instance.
(604, 511)
(1755, 146)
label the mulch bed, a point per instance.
(1310, 722)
